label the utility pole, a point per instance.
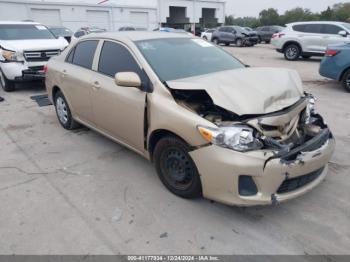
(194, 17)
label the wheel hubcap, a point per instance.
(347, 81)
(177, 169)
(292, 52)
(62, 111)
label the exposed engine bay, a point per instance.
(295, 127)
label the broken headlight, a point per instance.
(237, 137)
(310, 110)
(11, 56)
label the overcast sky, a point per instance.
(253, 7)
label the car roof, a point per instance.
(18, 23)
(317, 22)
(136, 35)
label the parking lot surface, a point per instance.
(77, 192)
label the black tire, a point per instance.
(227, 44)
(216, 41)
(176, 169)
(268, 41)
(346, 80)
(259, 40)
(292, 52)
(66, 121)
(239, 42)
(205, 38)
(7, 85)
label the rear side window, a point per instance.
(309, 28)
(84, 53)
(223, 29)
(331, 29)
(115, 58)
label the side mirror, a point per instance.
(129, 79)
(343, 33)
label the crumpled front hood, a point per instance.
(248, 91)
(34, 45)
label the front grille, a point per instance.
(39, 56)
(298, 182)
(36, 68)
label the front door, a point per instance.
(118, 110)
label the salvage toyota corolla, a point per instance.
(212, 126)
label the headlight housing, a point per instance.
(11, 56)
(310, 110)
(237, 137)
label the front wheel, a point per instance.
(216, 41)
(7, 85)
(346, 81)
(292, 52)
(176, 169)
(63, 112)
(205, 38)
(239, 42)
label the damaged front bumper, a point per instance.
(277, 176)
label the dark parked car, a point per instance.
(61, 31)
(336, 64)
(234, 35)
(265, 33)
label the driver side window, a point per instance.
(116, 58)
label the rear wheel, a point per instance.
(7, 85)
(292, 52)
(63, 112)
(346, 80)
(176, 169)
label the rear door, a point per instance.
(118, 110)
(76, 77)
(311, 37)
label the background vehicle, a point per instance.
(234, 35)
(248, 149)
(173, 30)
(87, 30)
(207, 34)
(61, 31)
(336, 64)
(308, 39)
(132, 28)
(25, 47)
(265, 33)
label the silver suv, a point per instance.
(308, 39)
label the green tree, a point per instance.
(298, 14)
(341, 12)
(269, 17)
(327, 14)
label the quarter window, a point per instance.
(84, 53)
(115, 58)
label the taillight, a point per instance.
(331, 52)
(45, 69)
(278, 35)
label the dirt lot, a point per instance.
(67, 192)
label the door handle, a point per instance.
(96, 85)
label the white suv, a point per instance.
(25, 48)
(308, 39)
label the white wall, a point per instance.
(75, 16)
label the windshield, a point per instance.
(61, 31)
(178, 58)
(23, 32)
(347, 26)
